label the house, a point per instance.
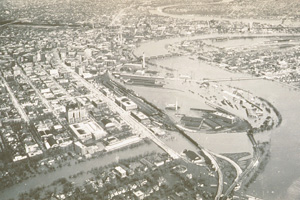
(139, 194)
(120, 172)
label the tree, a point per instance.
(178, 187)
(67, 187)
(48, 194)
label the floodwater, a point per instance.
(280, 179)
(66, 171)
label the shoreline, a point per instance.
(278, 114)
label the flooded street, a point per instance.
(66, 171)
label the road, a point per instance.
(59, 86)
(21, 112)
(15, 102)
(239, 180)
(44, 101)
(239, 171)
(125, 115)
(220, 173)
(42, 98)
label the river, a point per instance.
(281, 177)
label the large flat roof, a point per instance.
(87, 128)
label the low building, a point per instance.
(33, 150)
(192, 122)
(88, 130)
(66, 146)
(120, 172)
(225, 117)
(157, 131)
(125, 103)
(194, 157)
(80, 149)
(141, 117)
(96, 130)
(212, 124)
(81, 133)
(251, 113)
(99, 104)
(54, 73)
(16, 71)
(106, 92)
(117, 144)
(153, 81)
(19, 158)
(87, 151)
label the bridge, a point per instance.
(233, 79)
(15, 21)
(12, 22)
(215, 80)
(220, 173)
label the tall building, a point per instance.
(76, 113)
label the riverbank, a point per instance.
(280, 172)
